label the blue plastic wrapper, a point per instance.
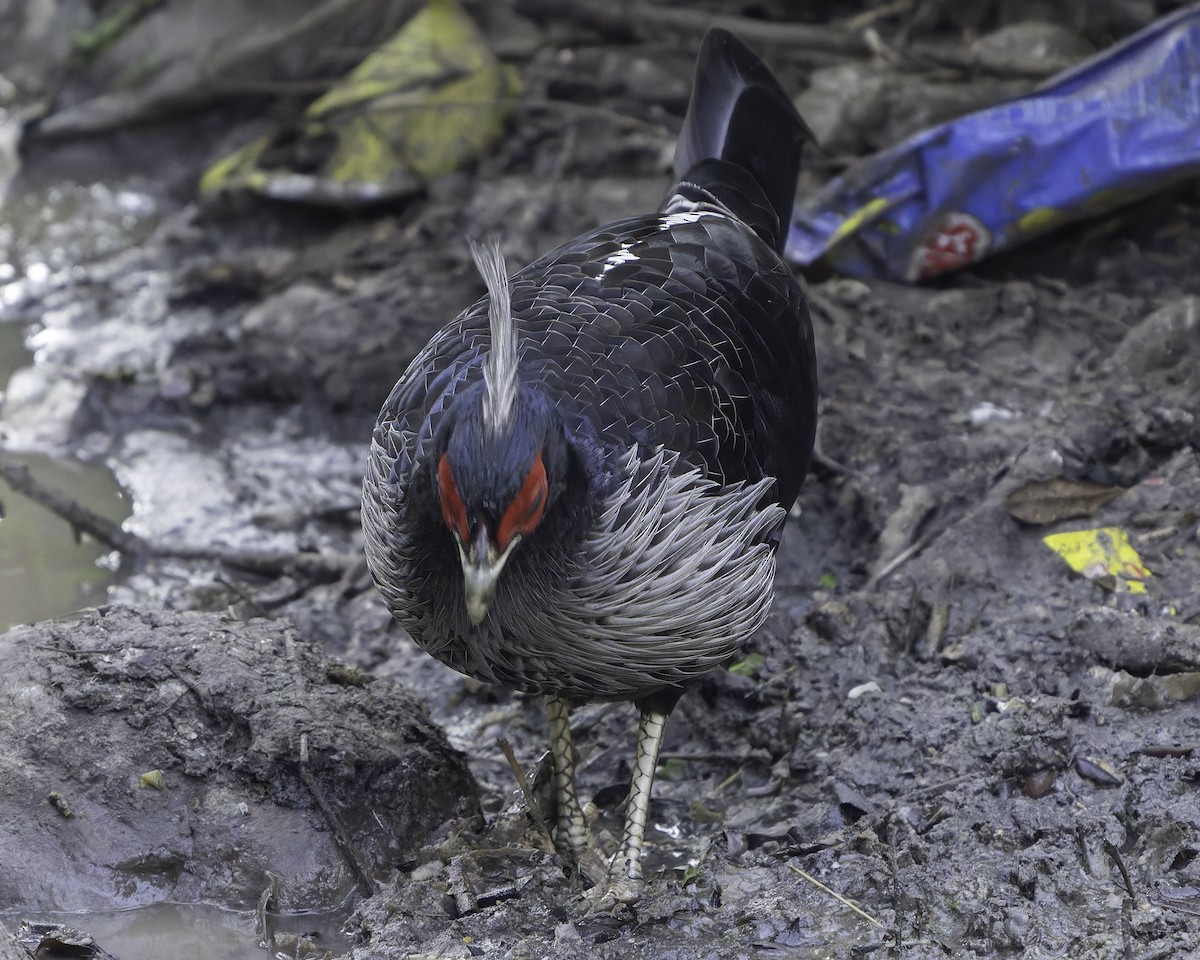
(1119, 126)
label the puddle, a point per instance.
(165, 930)
(12, 350)
(46, 231)
(44, 570)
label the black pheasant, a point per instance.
(578, 487)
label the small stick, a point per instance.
(810, 42)
(625, 19)
(270, 563)
(1169, 750)
(81, 518)
(902, 557)
(836, 896)
(522, 781)
(263, 926)
(1111, 849)
(731, 779)
(864, 20)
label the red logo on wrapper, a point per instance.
(957, 240)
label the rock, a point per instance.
(857, 108)
(10, 946)
(1031, 47)
(1136, 644)
(265, 755)
(843, 103)
(1161, 341)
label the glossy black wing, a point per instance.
(683, 330)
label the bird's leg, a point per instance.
(571, 832)
(651, 727)
(624, 883)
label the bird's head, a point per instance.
(495, 486)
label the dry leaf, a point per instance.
(1049, 501)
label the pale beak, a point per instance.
(481, 564)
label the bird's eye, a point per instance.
(525, 512)
(454, 512)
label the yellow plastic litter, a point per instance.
(428, 100)
(1042, 220)
(1104, 555)
(864, 215)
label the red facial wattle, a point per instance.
(525, 511)
(454, 511)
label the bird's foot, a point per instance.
(589, 863)
(619, 888)
(611, 894)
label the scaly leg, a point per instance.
(571, 834)
(624, 884)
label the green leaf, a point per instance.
(749, 666)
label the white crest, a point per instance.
(500, 367)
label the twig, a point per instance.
(1111, 849)
(269, 563)
(264, 928)
(728, 781)
(836, 896)
(632, 20)
(242, 595)
(931, 789)
(826, 461)
(629, 19)
(935, 630)
(904, 555)
(582, 111)
(869, 17)
(81, 518)
(535, 809)
(1168, 902)
(586, 111)
(1168, 750)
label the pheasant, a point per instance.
(577, 488)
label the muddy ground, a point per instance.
(988, 754)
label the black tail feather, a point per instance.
(740, 122)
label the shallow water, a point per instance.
(164, 930)
(45, 569)
(47, 230)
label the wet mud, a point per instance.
(946, 741)
(183, 756)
